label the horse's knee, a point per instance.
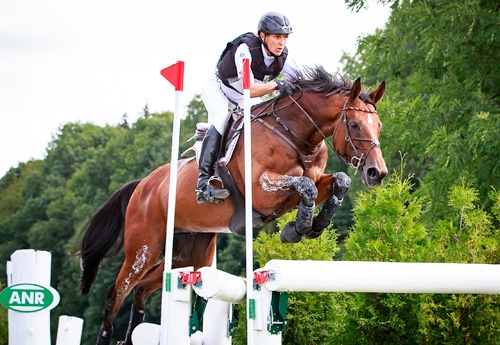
(307, 190)
(341, 185)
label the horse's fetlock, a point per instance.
(105, 335)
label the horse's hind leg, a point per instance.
(190, 249)
(133, 270)
(151, 282)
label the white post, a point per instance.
(248, 200)
(30, 266)
(175, 319)
(222, 291)
(216, 320)
(263, 297)
(69, 330)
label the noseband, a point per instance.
(357, 161)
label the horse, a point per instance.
(289, 155)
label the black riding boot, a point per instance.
(206, 192)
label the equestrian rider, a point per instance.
(268, 54)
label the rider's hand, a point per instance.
(284, 86)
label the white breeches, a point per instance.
(218, 104)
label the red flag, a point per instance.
(175, 75)
(246, 74)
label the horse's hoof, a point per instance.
(341, 185)
(313, 234)
(289, 235)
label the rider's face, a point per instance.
(275, 43)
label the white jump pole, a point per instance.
(248, 200)
(173, 308)
(220, 285)
(384, 277)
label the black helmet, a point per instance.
(274, 23)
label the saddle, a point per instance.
(230, 137)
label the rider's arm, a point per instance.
(257, 89)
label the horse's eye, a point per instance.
(354, 125)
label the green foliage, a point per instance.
(442, 104)
(47, 202)
(389, 226)
(440, 112)
(4, 329)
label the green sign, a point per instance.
(29, 298)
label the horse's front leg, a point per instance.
(341, 184)
(308, 192)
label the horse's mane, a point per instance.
(318, 80)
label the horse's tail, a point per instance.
(101, 233)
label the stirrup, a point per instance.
(210, 193)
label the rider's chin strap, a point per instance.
(267, 48)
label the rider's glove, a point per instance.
(284, 86)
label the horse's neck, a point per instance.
(302, 118)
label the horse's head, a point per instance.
(356, 134)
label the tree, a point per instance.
(442, 107)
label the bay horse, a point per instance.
(289, 157)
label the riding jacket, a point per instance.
(227, 69)
(224, 90)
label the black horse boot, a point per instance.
(105, 335)
(206, 192)
(136, 318)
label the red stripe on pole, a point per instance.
(246, 74)
(175, 75)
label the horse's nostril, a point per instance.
(373, 173)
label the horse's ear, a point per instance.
(377, 94)
(355, 90)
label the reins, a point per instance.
(357, 161)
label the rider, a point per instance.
(268, 54)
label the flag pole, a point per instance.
(175, 75)
(248, 201)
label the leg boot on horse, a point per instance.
(206, 192)
(323, 219)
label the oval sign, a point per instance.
(29, 298)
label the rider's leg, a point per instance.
(217, 106)
(206, 192)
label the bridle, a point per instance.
(357, 161)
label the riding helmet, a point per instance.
(274, 23)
